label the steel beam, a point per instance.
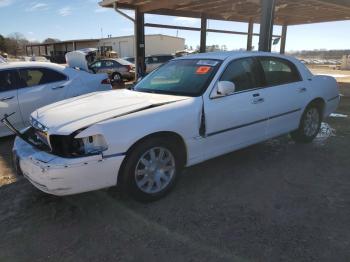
(140, 44)
(266, 24)
(204, 25)
(250, 35)
(283, 39)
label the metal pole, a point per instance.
(266, 24)
(203, 45)
(250, 36)
(140, 43)
(283, 39)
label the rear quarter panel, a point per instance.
(326, 87)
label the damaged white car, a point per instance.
(189, 110)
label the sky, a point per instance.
(82, 19)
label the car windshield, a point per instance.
(188, 77)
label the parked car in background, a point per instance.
(27, 86)
(118, 69)
(190, 110)
(155, 61)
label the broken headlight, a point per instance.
(69, 146)
(92, 145)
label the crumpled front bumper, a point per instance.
(65, 176)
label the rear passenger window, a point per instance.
(279, 71)
(7, 80)
(39, 76)
(244, 73)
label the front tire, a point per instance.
(151, 170)
(310, 125)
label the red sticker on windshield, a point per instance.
(202, 70)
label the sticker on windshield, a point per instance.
(202, 70)
(207, 62)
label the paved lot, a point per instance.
(276, 201)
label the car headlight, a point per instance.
(92, 144)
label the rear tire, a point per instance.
(151, 170)
(117, 78)
(310, 125)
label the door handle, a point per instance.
(57, 87)
(258, 100)
(302, 90)
(7, 98)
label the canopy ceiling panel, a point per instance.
(287, 12)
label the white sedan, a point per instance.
(190, 110)
(27, 86)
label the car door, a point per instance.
(286, 94)
(40, 87)
(240, 119)
(9, 100)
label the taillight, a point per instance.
(129, 67)
(106, 81)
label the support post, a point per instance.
(74, 46)
(66, 47)
(27, 50)
(39, 50)
(204, 25)
(266, 24)
(283, 39)
(250, 36)
(31, 50)
(140, 43)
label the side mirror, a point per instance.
(225, 88)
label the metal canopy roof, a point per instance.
(287, 12)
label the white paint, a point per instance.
(338, 115)
(25, 100)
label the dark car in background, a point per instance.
(117, 69)
(155, 61)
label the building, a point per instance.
(155, 44)
(123, 45)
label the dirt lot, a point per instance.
(276, 201)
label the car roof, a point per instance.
(12, 65)
(231, 55)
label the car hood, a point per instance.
(70, 115)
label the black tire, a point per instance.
(132, 161)
(304, 134)
(117, 78)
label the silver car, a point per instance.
(117, 69)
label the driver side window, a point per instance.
(244, 73)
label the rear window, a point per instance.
(123, 62)
(279, 71)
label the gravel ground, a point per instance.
(276, 201)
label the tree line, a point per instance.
(15, 44)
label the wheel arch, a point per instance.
(320, 102)
(170, 136)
